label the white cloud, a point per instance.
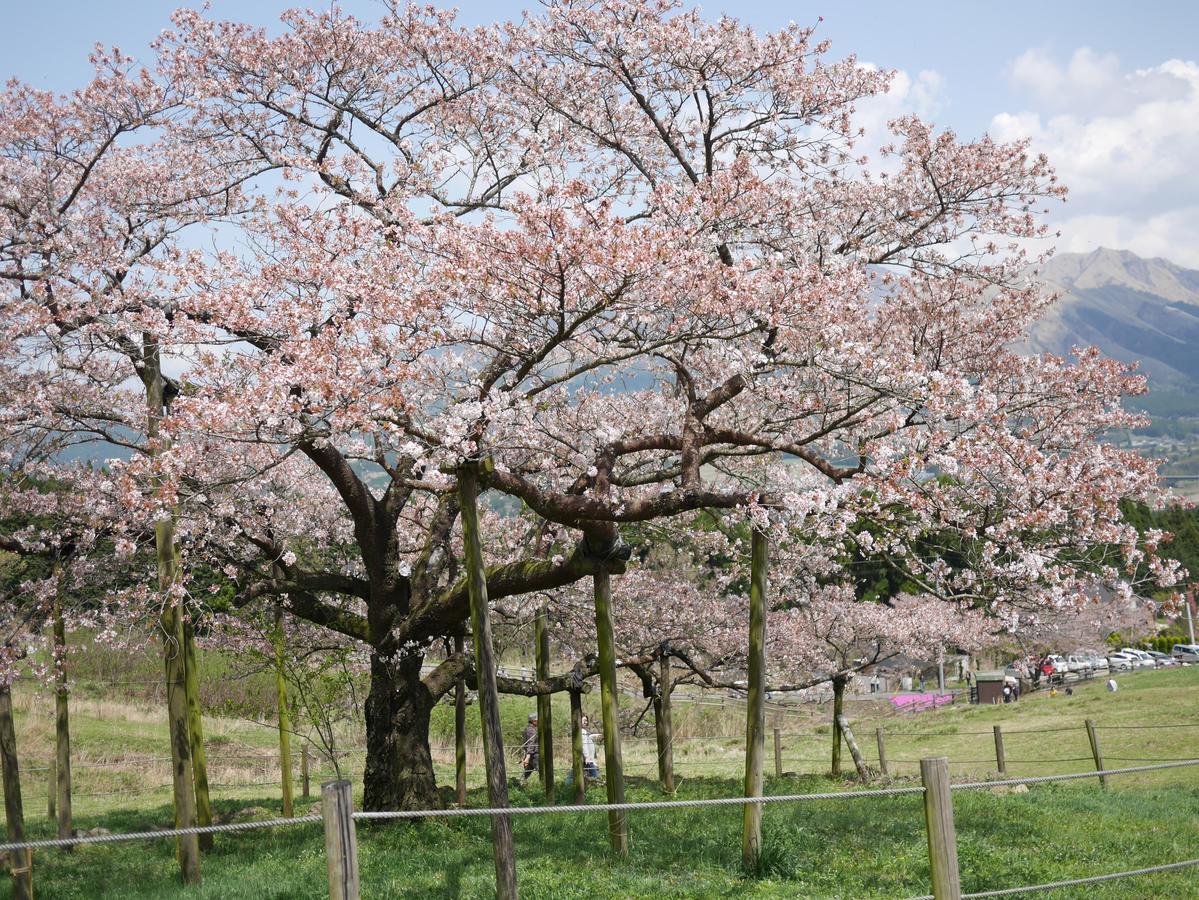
(1124, 142)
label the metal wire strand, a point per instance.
(1037, 779)
(165, 833)
(632, 807)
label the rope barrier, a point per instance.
(1093, 879)
(164, 833)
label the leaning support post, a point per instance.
(459, 731)
(778, 754)
(489, 710)
(755, 715)
(663, 727)
(282, 714)
(1093, 735)
(20, 861)
(195, 734)
(545, 707)
(341, 842)
(858, 762)
(1000, 756)
(60, 769)
(882, 752)
(938, 820)
(605, 630)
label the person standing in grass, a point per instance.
(528, 747)
(590, 769)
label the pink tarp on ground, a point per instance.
(913, 702)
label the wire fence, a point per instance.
(930, 791)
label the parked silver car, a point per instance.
(1121, 662)
(1185, 653)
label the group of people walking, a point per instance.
(530, 749)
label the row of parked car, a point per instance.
(1126, 659)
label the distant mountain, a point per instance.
(1133, 309)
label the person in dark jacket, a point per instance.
(530, 758)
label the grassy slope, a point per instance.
(829, 849)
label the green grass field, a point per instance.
(853, 848)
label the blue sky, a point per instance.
(1109, 89)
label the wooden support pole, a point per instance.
(858, 762)
(1093, 736)
(282, 714)
(304, 780)
(459, 730)
(755, 714)
(195, 732)
(938, 820)
(882, 752)
(20, 861)
(576, 747)
(778, 754)
(341, 842)
(171, 625)
(60, 766)
(663, 726)
(1000, 756)
(489, 710)
(605, 630)
(545, 707)
(838, 714)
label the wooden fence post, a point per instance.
(485, 679)
(778, 754)
(576, 748)
(858, 762)
(14, 815)
(341, 843)
(938, 820)
(52, 789)
(755, 707)
(1096, 752)
(1000, 757)
(882, 752)
(304, 785)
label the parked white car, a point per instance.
(1121, 662)
(1185, 653)
(1144, 660)
(1162, 660)
(1079, 663)
(1060, 666)
(1098, 663)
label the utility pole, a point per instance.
(1190, 598)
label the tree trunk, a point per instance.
(20, 861)
(62, 727)
(663, 728)
(545, 708)
(838, 710)
(459, 730)
(618, 824)
(195, 731)
(489, 710)
(282, 715)
(755, 712)
(399, 766)
(576, 747)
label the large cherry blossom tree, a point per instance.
(642, 261)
